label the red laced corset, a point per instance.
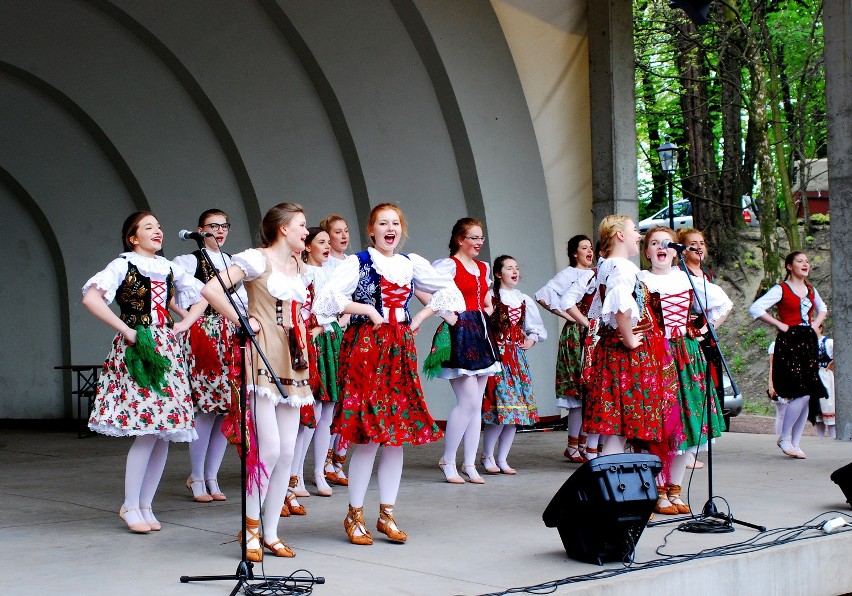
(513, 339)
(394, 297)
(676, 309)
(158, 302)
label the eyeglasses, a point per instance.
(217, 226)
(476, 238)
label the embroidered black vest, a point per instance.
(134, 297)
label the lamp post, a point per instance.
(668, 162)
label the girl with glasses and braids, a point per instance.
(212, 345)
(473, 354)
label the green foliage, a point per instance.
(761, 407)
(820, 218)
(757, 336)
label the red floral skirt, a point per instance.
(380, 394)
(629, 395)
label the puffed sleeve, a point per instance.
(620, 282)
(576, 291)
(251, 261)
(446, 297)
(109, 279)
(188, 263)
(445, 266)
(829, 348)
(765, 302)
(714, 299)
(818, 302)
(552, 292)
(337, 293)
(188, 287)
(533, 325)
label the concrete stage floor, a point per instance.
(60, 532)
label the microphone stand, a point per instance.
(244, 573)
(711, 520)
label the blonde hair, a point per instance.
(276, 218)
(684, 233)
(329, 221)
(607, 230)
(374, 215)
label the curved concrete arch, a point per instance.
(88, 123)
(331, 104)
(29, 385)
(196, 92)
(422, 39)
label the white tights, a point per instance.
(503, 434)
(277, 427)
(613, 444)
(145, 463)
(465, 420)
(208, 450)
(780, 408)
(677, 470)
(795, 418)
(321, 436)
(361, 470)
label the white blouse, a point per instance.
(447, 266)
(533, 325)
(773, 297)
(412, 271)
(618, 275)
(279, 286)
(566, 288)
(222, 261)
(156, 268)
(716, 303)
(319, 276)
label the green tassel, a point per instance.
(440, 352)
(145, 365)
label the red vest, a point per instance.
(472, 288)
(790, 306)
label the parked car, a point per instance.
(732, 403)
(682, 217)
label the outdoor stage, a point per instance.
(60, 532)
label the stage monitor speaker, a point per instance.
(842, 477)
(604, 506)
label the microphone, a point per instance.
(187, 235)
(678, 247)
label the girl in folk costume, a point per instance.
(473, 355)
(630, 393)
(143, 391)
(211, 350)
(566, 289)
(795, 366)
(694, 266)
(324, 354)
(272, 278)
(338, 232)
(382, 403)
(677, 300)
(825, 419)
(516, 324)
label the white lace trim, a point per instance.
(149, 265)
(180, 435)
(447, 300)
(396, 269)
(329, 305)
(276, 398)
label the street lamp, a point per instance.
(668, 162)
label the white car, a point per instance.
(682, 217)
